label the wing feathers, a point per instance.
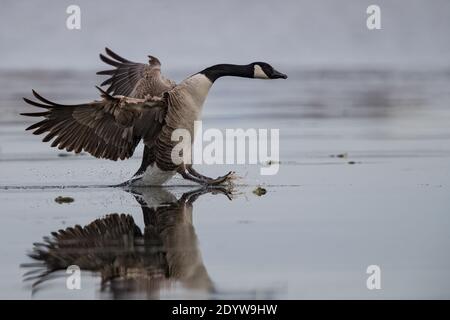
(132, 78)
(124, 78)
(39, 97)
(109, 61)
(105, 94)
(106, 72)
(36, 104)
(110, 128)
(115, 55)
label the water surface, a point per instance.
(323, 220)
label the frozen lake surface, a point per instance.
(322, 222)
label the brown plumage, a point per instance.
(109, 128)
(133, 79)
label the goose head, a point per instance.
(263, 70)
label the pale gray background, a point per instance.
(197, 33)
(381, 96)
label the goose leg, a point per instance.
(186, 175)
(208, 180)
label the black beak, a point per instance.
(278, 75)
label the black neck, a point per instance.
(234, 70)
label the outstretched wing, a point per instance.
(128, 77)
(109, 128)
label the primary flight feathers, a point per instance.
(109, 128)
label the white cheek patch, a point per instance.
(259, 73)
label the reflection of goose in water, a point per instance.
(129, 260)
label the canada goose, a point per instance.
(127, 259)
(139, 104)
